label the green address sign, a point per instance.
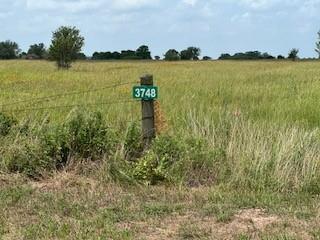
(145, 92)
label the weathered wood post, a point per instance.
(148, 118)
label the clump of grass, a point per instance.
(262, 155)
(48, 147)
(6, 123)
(177, 160)
(154, 165)
(133, 146)
(89, 136)
(189, 231)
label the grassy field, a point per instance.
(238, 156)
(278, 92)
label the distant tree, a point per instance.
(267, 56)
(206, 58)
(81, 56)
(318, 45)
(293, 54)
(96, 56)
(143, 52)
(129, 55)
(225, 56)
(250, 55)
(66, 45)
(23, 55)
(116, 55)
(157, 58)
(106, 55)
(195, 52)
(172, 55)
(38, 50)
(280, 57)
(9, 50)
(191, 53)
(186, 55)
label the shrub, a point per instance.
(184, 161)
(154, 166)
(54, 143)
(6, 123)
(27, 156)
(47, 147)
(88, 136)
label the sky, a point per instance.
(216, 26)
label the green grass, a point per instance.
(241, 135)
(282, 92)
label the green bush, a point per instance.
(88, 135)
(54, 143)
(46, 147)
(26, 155)
(6, 123)
(154, 166)
(184, 161)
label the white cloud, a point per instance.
(243, 17)
(63, 5)
(310, 8)
(190, 2)
(81, 5)
(259, 4)
(125, 4)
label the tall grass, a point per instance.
(263, 155)
(247, 124)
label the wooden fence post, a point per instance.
(148, 117)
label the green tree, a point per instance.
(39, 50)
(143, 52)
(66, 45)
(206, 58)
(81, 56)
(186, 55)
(172, 55)
(293, 54)
(195, 52)
(129, 55)
(318, 44)
(191, 53)
(9, 50)
(225, 56)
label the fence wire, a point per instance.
(41, 99)
(69, 106)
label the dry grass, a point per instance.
(70, 206)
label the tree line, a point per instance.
(67, 43)
(256, 55)
(142, 53)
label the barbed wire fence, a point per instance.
(148, 109)
(17, 108)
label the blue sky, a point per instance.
(216, 26)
